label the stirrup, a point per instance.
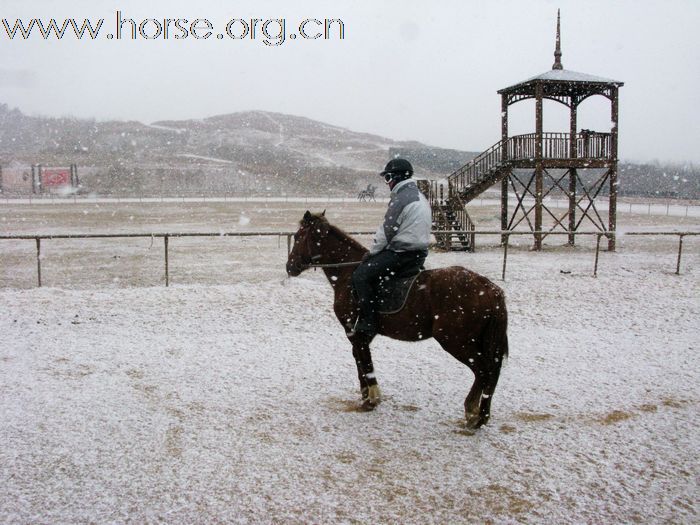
(354, 331)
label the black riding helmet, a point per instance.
(397, 170)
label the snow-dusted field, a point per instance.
(231, 396)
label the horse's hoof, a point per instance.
(474, 421)
(365, 392)
(371, 397)
(367, 406)
(374, 395)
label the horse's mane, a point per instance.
(340, 234)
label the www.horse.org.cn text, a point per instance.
(270, 31)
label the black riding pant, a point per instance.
(382, 266)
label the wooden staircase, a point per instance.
(482, 172)
(452, 226)
(457, 226)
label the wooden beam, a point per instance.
(504, 157)
(612, 206)
(573, 153)
(538, 166)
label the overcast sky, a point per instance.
(419, 70)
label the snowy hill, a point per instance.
(246, 151)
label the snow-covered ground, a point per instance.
(205, 403)
(657, 208)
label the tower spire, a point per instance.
(557, 49)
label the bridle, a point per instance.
(326, 265)
(313, 258)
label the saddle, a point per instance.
(392, 293)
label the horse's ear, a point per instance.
(323, 227)
(307, 216)
(323, 213)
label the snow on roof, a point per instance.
(565, 75)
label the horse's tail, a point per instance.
(495, 339)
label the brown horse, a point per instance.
(463, 311)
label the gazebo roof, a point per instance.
(560, 82)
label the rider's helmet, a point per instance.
(397, 170)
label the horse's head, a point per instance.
(307, 242)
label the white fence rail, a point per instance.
(167, 236)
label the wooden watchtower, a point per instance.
(540, 164)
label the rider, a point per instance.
(400, 243)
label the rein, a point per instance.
(329, 265)
(334, 265)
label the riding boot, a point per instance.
(366, 322)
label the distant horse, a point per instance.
(367, 194)
(463, 311)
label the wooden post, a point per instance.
(573, 153)
(504, 201)
(539, 167)
(504, 157)
(74, 175)
(612, 207)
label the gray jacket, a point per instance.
(407, 222)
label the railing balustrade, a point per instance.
(555, 146)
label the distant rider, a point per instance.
(400, 243)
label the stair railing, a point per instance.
(472, 172)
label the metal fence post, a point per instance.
(505, 256)
(597, 252)
(680, 248)
(167, 275)
(38, 260)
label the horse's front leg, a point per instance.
(371, 395)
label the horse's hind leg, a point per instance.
(473, 401)
(494, 348)
(468, 354)
(371, 395)
(477, 406)
(486, 395)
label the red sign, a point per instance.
(55, 177)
